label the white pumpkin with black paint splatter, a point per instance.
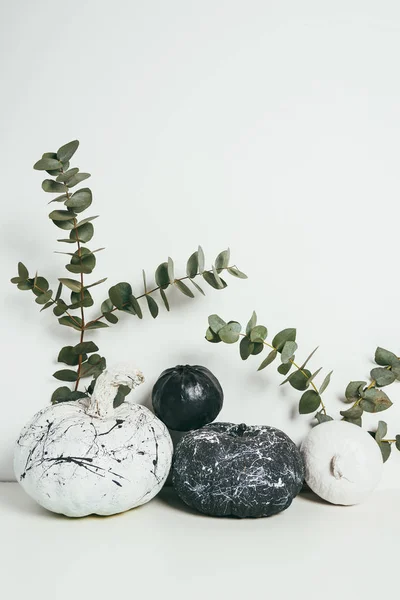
(85, 457)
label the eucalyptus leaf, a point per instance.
(80, 200)
(87, 220)
(236, 273)
(381, 431)
(286, 335)
(164, 299)
(78, 178)
(66, 375)
(120, 294)
(61, 394)
(323, 418)
(201, 259)
(106, 306)
(217, 278)
(325, 382)
(245, 347)
(267, 361)
(85, 348)
(71, 284)
(61, 215)
(288, 351)
(162, 277)
(68, 356)
(60, 308)
(384, 358)
(47, 164)
(352, 392)
(198, 288)
(212, 337)
(309, 402)
(61, 198)
(313, 376)
(64, 177)
(210, 279)
(222, 260)
(47, 305)
(153, 306)
(385, 449)
(382, 376)
(66, 152)
(96, 283)
(298, 379)
(83, 234)
(258, 333)
(184, 288)
(54, 187)
(96, 325)
(257, 348)
(171, 272)
(252, 323)
(192, 265)
(375, 401)
(216, 323)
(230, 332)
(75, 322)
(44, 298)
(284, 368)
(111, 318)
(398, 442)
(353, 412)
(136, 306)
(59, 290)
(22, 271)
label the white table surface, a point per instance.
(165, 550)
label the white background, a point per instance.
(269, 127)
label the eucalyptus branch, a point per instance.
(371, 398)
(363, 396)
(82, 262)
(129, 305)
(284, 343)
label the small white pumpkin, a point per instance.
(343, 463)
(85, 457)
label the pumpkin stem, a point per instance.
(101, 403)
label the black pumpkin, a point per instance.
(187, 397)
(225, 469)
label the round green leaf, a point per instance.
(66, 375)
(309, 402)
(258, 333)
(286, 335)
(192, 265)
(81, 200)
(212, 337)
(66, 152)
(245, 348)
(216, 323)
(299, 379)
(382, 376)
(229, 333)
(162, 277)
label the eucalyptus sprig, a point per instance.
(368, 397)
(71, 311)
(254, 341)
(363, 396)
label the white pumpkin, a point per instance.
(343, 463)
(85, 457)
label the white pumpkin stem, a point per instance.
(101, 403)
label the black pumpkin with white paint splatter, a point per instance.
(225, 469)
(187, 397)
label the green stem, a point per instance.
(82, 293)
